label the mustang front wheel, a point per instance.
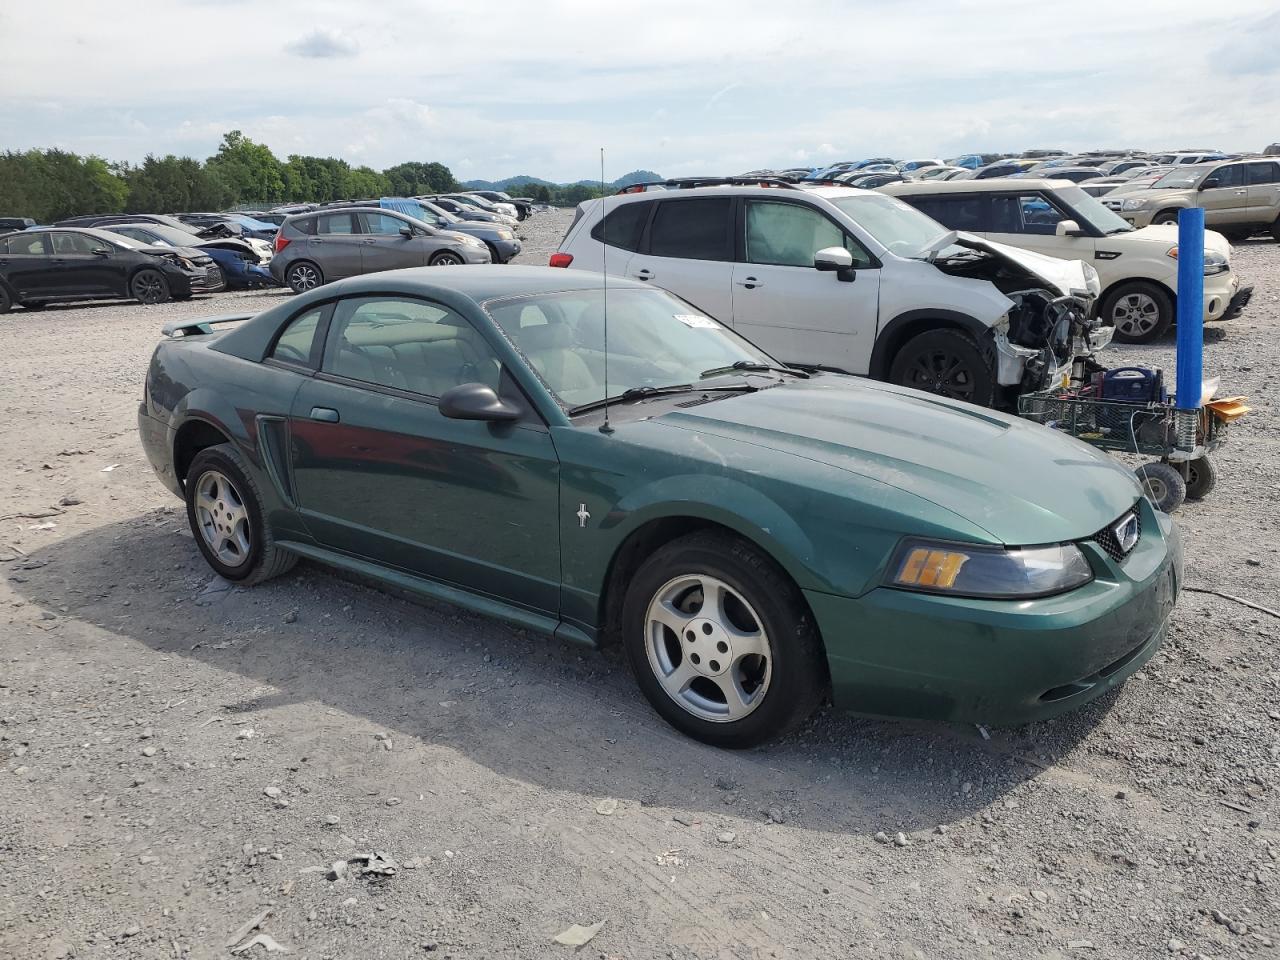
(225, 511)
(721, 641)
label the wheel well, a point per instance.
(1102, 298)
(193, 436)
(896, 336)
(639, 545)
(1159, 213)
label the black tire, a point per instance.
(446, 258)
(262, 559)
(493, 252)
(1275, 230)
(6, 302)
(946, 362)
(303, 275)
(33, 305)
(1163, 484)
(1202, 477)
(795, 667)
(1140, 311)
(149, 286)
(1165, 216)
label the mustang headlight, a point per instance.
(1136, 203)
(997, 573)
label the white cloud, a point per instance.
(324, 44)
(718, 86)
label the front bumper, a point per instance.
(506, 249)
(895, 653)
(210, 281)
(1239, 300)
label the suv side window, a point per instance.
(336, 223)
(696, 229)
(1262, 173)
(409, 345)
(1232, 175)
(297, 341)
(623, 225)
(1029, 213)
(954, 213)
(789, 234)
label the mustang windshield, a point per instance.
(655, 340)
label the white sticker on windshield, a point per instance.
(697, 320)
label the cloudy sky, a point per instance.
(494, 89)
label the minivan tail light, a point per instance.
(561, 259)
(281, 242)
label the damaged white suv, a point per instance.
(850, 280)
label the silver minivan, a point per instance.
(326, 245)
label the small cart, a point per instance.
(1181, 439)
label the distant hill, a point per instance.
(524, 180)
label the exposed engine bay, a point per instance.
(1046, 332)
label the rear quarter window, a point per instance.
(623, 225)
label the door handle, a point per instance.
(325, 414)
(316, 240)
(1241, 193)
(750, 283)
(370, 240)
(645, 274)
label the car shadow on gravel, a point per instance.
(544, 712)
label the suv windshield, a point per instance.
(899, 227)
(1182, 179)
(1091, 210)
(655, 340)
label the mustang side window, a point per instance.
(295, 342)
(409, 345)
(789, 234)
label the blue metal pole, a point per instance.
(1190, 307)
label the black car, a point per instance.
(44, 266)
(102, 219)
(15, 223)
(523, 207)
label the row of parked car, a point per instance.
(152, 258)
(979, 290)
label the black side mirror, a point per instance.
(476, 401)
(1210, 183)
(406, 231)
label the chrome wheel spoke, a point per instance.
(737, 702)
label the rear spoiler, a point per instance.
(176, 329)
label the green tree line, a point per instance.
(49, 185)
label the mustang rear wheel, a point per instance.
(721, 642)
(946, 362)
(226, 514)
(149, 286)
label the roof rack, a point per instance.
(691, 183)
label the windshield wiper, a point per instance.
(752, 365)
(645, 393)
(1114, 230)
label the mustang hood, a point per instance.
(1022, 483)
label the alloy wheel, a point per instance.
(447, 260)
(303, 277)
(148, 287)
(708, 648)
(942, 373)
(1135, 314)
(222, 518)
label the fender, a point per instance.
(892, 334)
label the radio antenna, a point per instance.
(604, 291)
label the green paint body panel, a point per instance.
(826, 475)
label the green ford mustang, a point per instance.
(753, 536)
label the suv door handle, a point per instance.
(750, 283)
(645, 274)
(325, 414)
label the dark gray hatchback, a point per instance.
(326, 245)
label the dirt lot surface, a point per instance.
(177, 759)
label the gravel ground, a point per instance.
(176, 760)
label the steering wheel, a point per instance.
(290, 352)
